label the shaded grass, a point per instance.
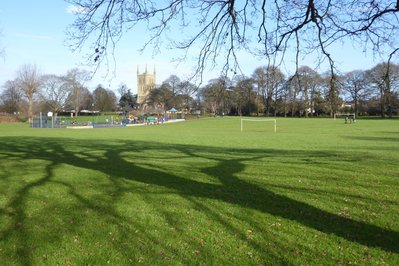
(201, 192)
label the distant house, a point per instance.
(72, 113)
(346, 105)
(88, 112)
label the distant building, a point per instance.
(145, 83)
(346, 105)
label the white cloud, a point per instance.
(31, 36)
(75, 9)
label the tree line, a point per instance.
(31, 92)
(268, 91)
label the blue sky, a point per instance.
(33, 32)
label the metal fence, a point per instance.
(44, 121)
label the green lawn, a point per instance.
(200, 192)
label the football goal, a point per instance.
(247, 123)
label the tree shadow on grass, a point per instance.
(111, 159)
(375, 139)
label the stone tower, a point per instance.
(145, 83)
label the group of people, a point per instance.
(149, 120)
(350, 119)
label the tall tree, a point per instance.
(215, 95)
(384, 78)
(186, 88)
(127, 101)
(308, 81)
(245, 95)
(104, 100)
(355, 84)
(331, 86)
(260, 78)
(54, 92)
(186, 91)
(10, 97)
(29, 81)
(173, 82)
(78, 100)
(161, 98)
(271, 79)
(292, 94)
(75, 80)
(283, 101)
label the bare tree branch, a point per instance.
(221, 29)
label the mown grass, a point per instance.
(201, 192)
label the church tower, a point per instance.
(145, 83)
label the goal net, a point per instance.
(248, 124)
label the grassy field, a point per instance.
(200, 192)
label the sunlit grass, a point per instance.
(201, 192)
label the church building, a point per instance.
(145, 83)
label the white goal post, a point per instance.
(353, 116)
(258, 120)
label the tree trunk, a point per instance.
(387, 95)
(389, 104)
(306, 102)
(30, 108)
(355, 99)
(382, 102)
(293, 108)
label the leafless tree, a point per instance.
(331, 87)
(10, 97)
(215, 95)
(29, 81)
(261, 80)
(308, 81)
(268, 80)
(75, 80)
(244, 100)
(292, 94)
(355, 84)
(187, 88)
(385, 79)
(122, 89)
(220, 29)
(161, 98)
(186, 91)
(173, 83)
(54, 92)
